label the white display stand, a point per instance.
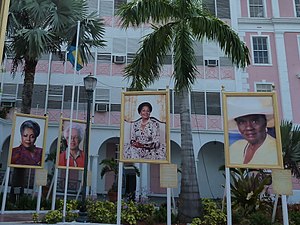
(5, 190)
(119, 202)
(38, 206)
(228, 196)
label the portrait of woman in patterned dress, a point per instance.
(145, 137)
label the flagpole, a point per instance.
(70, 125)
(4, 8)
(48, 82)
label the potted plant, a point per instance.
(112, 165)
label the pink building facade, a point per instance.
(271, 30)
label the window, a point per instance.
(263, 87)
(220, 9)
(197, 103)
(39, 96)
(106, 8)
(297, 7)
(260, 50)
(176, 103)
(108, 99)
(102, 95)
(256, 8)
(9, 92)
(68, 94)
(118, 3)
(115, 107)
(82, 95)
(55, 96)
(212, 105)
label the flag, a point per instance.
(71, 57)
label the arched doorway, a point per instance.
(4, 155)
(211, 180)
(108, 150)
(155, 172)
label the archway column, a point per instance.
(142, 182)
(94, 171)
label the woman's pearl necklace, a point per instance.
(144, 124)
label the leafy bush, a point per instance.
(129, 213)
(26, 202)
(53, 216)
(146, 212)
(102, 212)
(212, 214)
(246, 188)
(294, 217)
(260, 218)
(160, 215)
(35, 218)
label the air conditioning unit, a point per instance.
(119, 59)
(212, 62)
(101, 107)
(7, 104)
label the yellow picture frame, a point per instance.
(62, 145)
(18, 156)
(157, 130)
(245, 147)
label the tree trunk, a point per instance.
(189, 205)
(29, 70)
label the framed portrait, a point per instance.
(145, 128)
(252, 130)
(28, 141)
(75, 134)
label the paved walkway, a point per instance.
(16, 217)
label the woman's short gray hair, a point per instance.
(76, 127)
(32, 125)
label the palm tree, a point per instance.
(177, 24)
(290, 140)
(37, 27)
(112, 166)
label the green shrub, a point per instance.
(212, 214)
(146, 211)
(260, 218)
(294, 217)
(35, 218)
(160, 215)
(25, 202)
(246, 189)
(237, 216)
(102, 212)
(129, 213)
(53, 216)
(70, 204)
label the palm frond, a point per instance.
(37, 27)
(145, 67)
(184, 58)
(290, 140)
(212, 28)
(136, 12)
